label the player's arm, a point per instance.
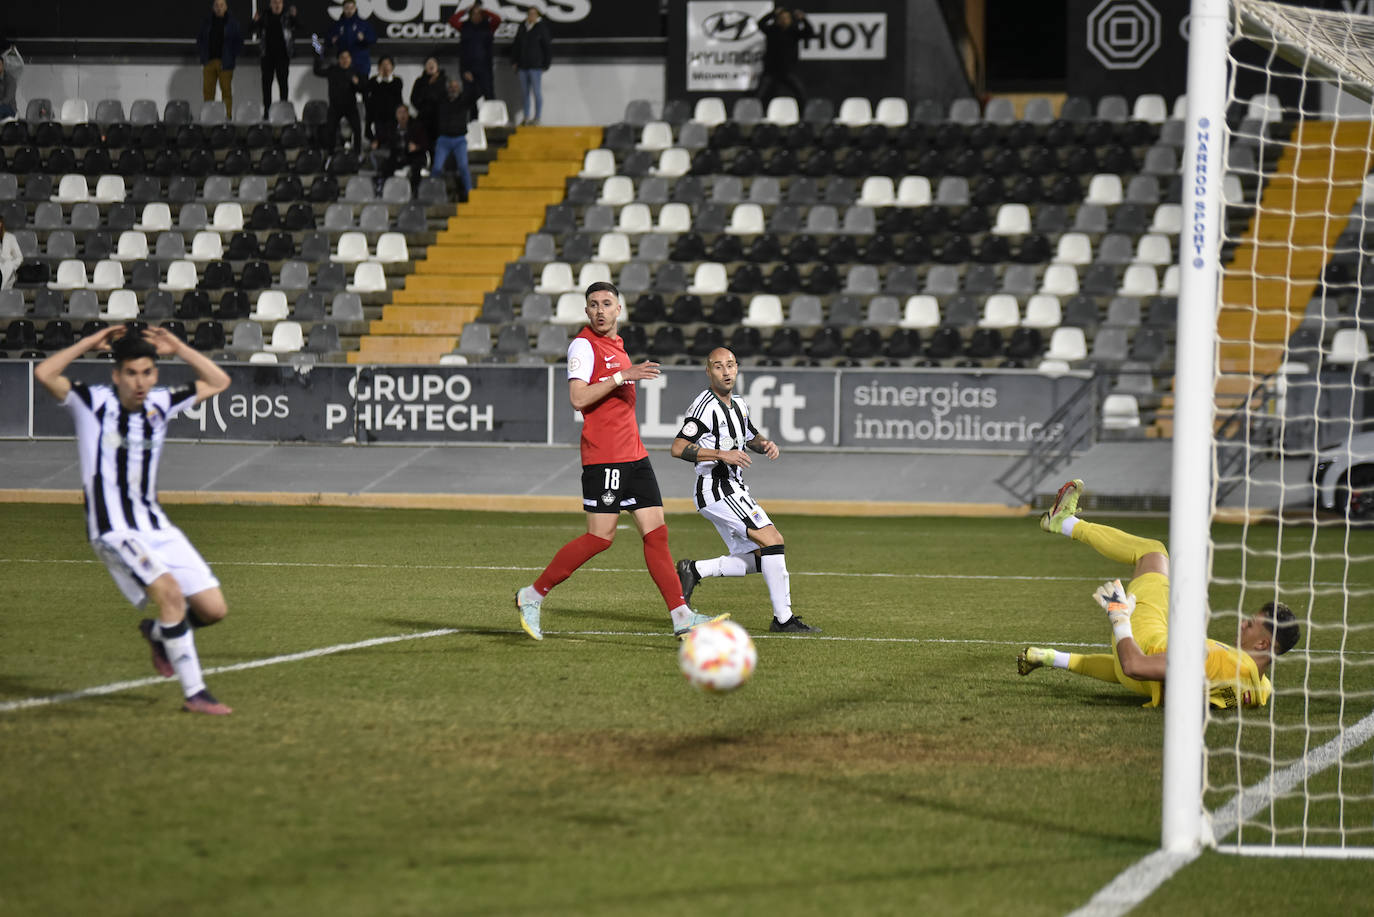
(763, 447)
(1120, 605)
(49, 373)
(691, 453)
(585, 394)
(210, 379)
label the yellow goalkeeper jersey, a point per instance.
(1233, 679)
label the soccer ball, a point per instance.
(718, 656)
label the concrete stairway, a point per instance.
(425, 319)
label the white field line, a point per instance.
(117, 687)
(515, 568)
(1139, 880)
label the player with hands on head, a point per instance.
(716, 431)
(120, 430)
(616, 473)
(1139, 615)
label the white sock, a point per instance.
(1067, 526)
(1061, 659)
(181, 651)
(682, 616)
(726, 565)
(779, 584)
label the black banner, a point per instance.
(1127, 48)
(410, 21)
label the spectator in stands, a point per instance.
(355, 36)
(532, 52)
(344, 87)
(784, 30)
(382, 96)
(401, 143)
(219, 43)
(10, 257)
(454, 113)
(275, 29)
(9, 85)
(476, 36)
(431, 88)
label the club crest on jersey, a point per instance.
(608, 497)
(691, 427)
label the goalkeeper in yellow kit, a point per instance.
(1139, 613)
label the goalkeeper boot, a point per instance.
(161, 664)
(688, 578)
(527, 600)
(696, 620)
(1032, 658)
(793, 625)
(1065, 505)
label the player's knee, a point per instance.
(1153, 561)
(210, 610)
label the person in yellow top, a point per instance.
(1139, 613)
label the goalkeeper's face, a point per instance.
(1255, 633)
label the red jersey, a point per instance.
(610, 432)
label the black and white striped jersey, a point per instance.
(119, 452)
(712, 424)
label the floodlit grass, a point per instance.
(896, 765)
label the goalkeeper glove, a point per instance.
(1119, 604)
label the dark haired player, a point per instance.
(616, 474)
(1139, 614)
(120, 429)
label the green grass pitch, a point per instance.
(896, 765)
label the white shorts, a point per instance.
(135, 559)
(733, 517)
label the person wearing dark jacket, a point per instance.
(381, 96)
(532, 52)
(401, 143)
(477, 27)
(344, 86)
(784, 30)
(453, 115)
(431, 88)
(219, 43)
(275, 29)
(352, 34)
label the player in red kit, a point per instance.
(616, 474)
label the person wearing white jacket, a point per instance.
(10, 257)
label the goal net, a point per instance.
(1292, 489)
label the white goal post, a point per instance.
(1270, 92)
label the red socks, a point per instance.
(659, 560)
(576, 553)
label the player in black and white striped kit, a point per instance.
(120, 430)
(715, 432)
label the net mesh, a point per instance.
(1290, 514)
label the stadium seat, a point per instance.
(206, 246)
(782, 111)
(598, 163)
(709, 111)
(1120, 412)
(71, 275)
(1001, 311)
(765, 311)
(1139, 280)
(673, 162)
(1104, 189)
(571, 309)
(1012, 220)
(368, 277)
(674, 218)
(108, 275)
(1067, 344)
(593, 272)
(556, 278)
(635, 219)
(122, 306)
(1059, 280)
(1264, 107)
(613, 248)
(710, 279)
(921, 312)
(352, 248)
(1150, 107)
(1043, 311)
(746, 219)
(132, 246)
(392, 248)
(181, 277)
(1154, 249)
(286, 338)
(271, 306)
(476, 137)
(655, 136)
(914, 191)
(72, 189)
(493, 113)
